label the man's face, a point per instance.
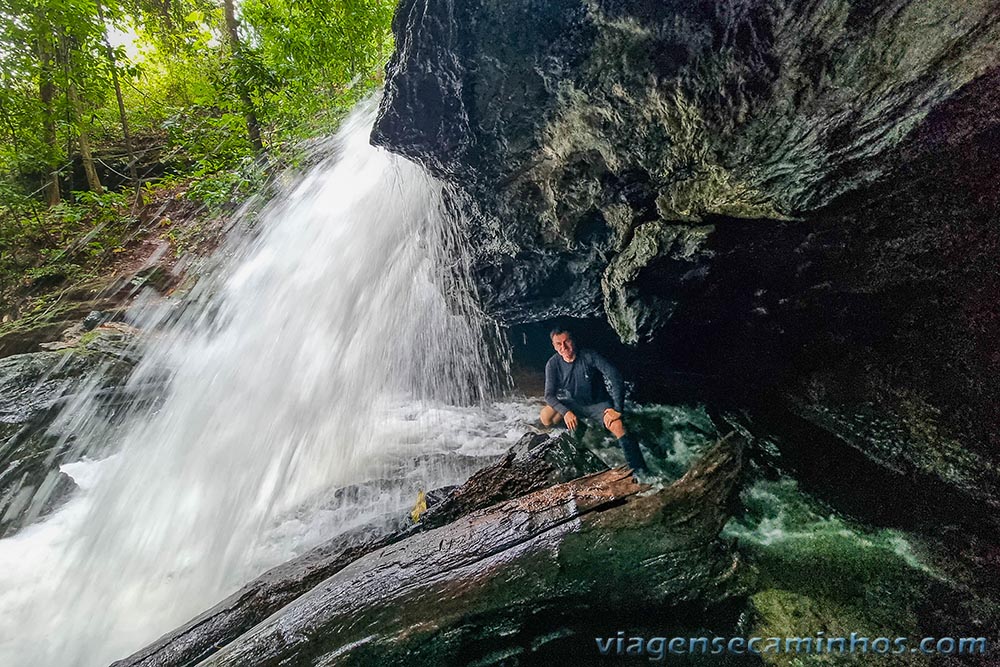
(564, 346)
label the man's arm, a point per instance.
(552, 388)
(612, 377)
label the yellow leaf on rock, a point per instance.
(420, 507)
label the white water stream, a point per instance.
(321, 353)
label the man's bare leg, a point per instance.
(617, 428)
(550, 416)
(633, 455)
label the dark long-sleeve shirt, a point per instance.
(582, 381)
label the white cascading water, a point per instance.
(321, 353)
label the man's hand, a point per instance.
(610, 416)
(570, 419)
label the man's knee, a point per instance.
(549, 416)
(617, 428)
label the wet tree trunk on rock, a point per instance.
(509, 579)
(536, 461)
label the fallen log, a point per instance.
(506, 580)
(535, 461)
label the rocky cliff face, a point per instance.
(795, 198)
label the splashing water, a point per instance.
(328, 348)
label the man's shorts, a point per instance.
(593, 411)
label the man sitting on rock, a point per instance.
(575, 387)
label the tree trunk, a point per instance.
(14, 140)
(113, 66)
(83, 140)
(233, 30)
(493, 581)
(168, 19)
(535, 462)
(46, 92)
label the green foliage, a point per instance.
(314, 59)
(188, 91)
(301, 64)
(39, 246)
(217, 189)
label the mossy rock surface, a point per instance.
(787, 614)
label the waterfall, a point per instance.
(327, 347)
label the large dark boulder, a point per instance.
(796, 200)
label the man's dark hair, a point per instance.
(560, 329)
